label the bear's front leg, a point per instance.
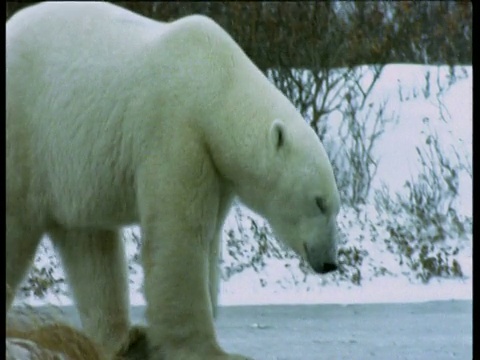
(179, 313)
(177, 228)
(179, 203)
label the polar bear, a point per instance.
(115, 119)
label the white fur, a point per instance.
(113, 119)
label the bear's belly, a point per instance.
(96, 219)
(98, 211)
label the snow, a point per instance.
(387, 289)
(410, 100)
(398, 155)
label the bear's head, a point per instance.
(264, 149)
(298, 194)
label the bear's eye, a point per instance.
(280, 138)
(321, 204)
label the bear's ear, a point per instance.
(277, 134)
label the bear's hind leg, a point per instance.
(96, 269)
(214, 278)
(22, 242)
(215, 252)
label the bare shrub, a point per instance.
(423, 220)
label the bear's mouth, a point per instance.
(305, 250)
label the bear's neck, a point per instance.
(238, 133)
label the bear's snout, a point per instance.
(319, 264)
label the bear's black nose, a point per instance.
(324, 268)
(329, 267)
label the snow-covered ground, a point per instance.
(404, 86)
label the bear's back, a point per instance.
(79, 29)
(91, 90)
(71, 70)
